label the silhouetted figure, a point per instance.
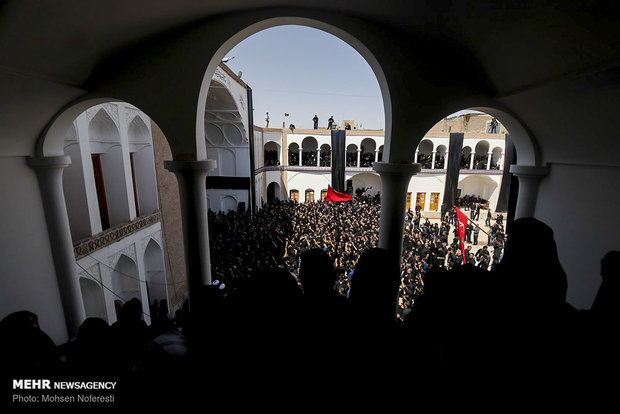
(538, 321)
(606, 304)
(130, 334)
(92, 352)
(24, 348)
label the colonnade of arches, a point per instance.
(429, 156)
(190, 162)
(105, 291)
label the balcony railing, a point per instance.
(84, 247)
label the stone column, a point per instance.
(501, 161)
(192, 176)
(359, 152)
(376, 155)
(529, 181)
(49, 174)
(394, 182)
(471, 160)
(415, 158)
(318, 157)
(301, 162)
(489, 161)
(433, 161)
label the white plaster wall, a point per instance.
(216, 198)
(485, 186)
(580, 203)
(427, 183)
(28, 279)
(303, 181)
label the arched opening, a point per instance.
(273, 192)
(125, 280)
(309, 196)
(293, 154)
(92, 296)
(366, 183)
(326, 156)
(367, 155)
(440, 157)
(481, 155)
(155, 272)
(496, 158)
(425, 154)
(272, 154)
(480, 186)
(466, 158)
(352, 155)
(109, 170)
(229, 203)
(309, 152)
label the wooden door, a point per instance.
(434, 202)
(420, 199)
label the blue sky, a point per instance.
(303, 71)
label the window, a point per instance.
(309, 196)
(408, 201)
(323, 195)
(294, 195)
(420, 199)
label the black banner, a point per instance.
(454, 166)
(510, 157)
(338, 159)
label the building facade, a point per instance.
(297, 164)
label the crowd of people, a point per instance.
(303, 296)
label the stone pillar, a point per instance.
(301, 162)
(192, 176)
(471, 160)
(433, 161)
(359, 152)
(49, 174)
(415, 158)
(394, 182)
(501, 161)
(529, 181)
(489, 161)
(376, 155)
(318, 157)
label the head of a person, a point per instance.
(375, 283)
(610, 264)
(316, 271)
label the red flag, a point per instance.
(333, 195)
(462, 220)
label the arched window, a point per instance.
(294, 195)
(367, 155)
(351, 160)
(425, 154)
(293, 154)
(309, 148)
(323, 195)
(309, 196)
(272, 154)
(326, 156)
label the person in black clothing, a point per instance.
(330, 122)
(315, 120)
(476, 232)
(468, 231)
